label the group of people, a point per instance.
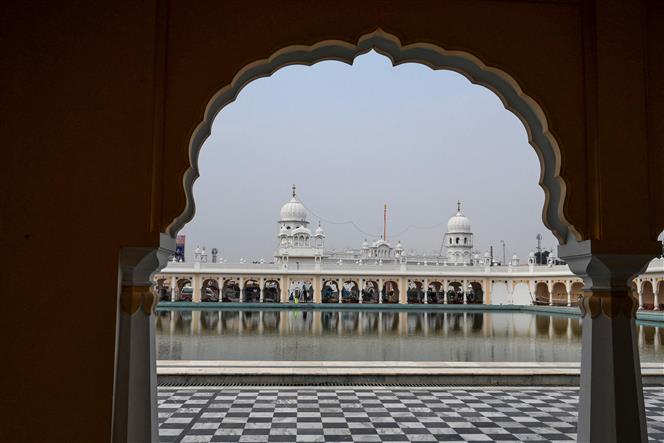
(300, 295)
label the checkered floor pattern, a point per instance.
(376, 414)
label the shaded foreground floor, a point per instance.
(377, 413)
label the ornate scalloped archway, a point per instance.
(502, 84)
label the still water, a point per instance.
(378, 335)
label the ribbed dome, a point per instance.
(459, 224)
(320, 232)
(293, 211)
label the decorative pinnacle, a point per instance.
(458, 206)
(293, 190)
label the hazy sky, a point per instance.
(355, 137)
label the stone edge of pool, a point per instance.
(197, 372)
(642, 316)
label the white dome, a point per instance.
(293, 211)
(320, 232)
(399, 246)
(459, 223)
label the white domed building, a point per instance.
(458, 239)
(295, 238)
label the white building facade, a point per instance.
(377, 272)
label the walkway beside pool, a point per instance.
(377, 413)
(198, 372)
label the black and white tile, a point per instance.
(377, 414)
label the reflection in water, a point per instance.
(378, 335)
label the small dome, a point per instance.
(365, 244)
(531, 254)
(459, 224)
(399, 246)
(320, 232)
(514, 257)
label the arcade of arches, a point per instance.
(106, 105)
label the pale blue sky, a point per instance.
(355, 137)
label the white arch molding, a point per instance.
(503, 85)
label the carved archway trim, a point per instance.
(503, 85)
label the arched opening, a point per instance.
(648, 295)
(475, 294)
(163, 289)
(455, 293)
(435, 293)
(185, 291)
(272, 292)
(577, 292)
(415, 294)
(330, 291)
(525, 108)
(559, 294)
(252, 291)
(390, 292)
(350, 292)
(231, 291)
(522, 295)
(541, 293)
(370, 292)
(210, 290)
(301, 291)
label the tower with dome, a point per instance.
(458, 239)
(295, 238)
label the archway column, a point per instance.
(316, 285)
(283, 291)
(655, 292)
(568, 288)
(639, 292)
(242, 289)
(549, 285)
(361, 289)
(135, 386)
(339, 286)
(380, 291)
(611, 407)
(196, 284)
(445, 285)
(426, 291)
(174, 282)
(261, 283)
(464, 288)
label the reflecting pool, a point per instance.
(378, 335)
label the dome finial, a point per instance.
(293, 190)
(458, 205)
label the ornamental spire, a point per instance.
(293, 190)
(458, 206)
